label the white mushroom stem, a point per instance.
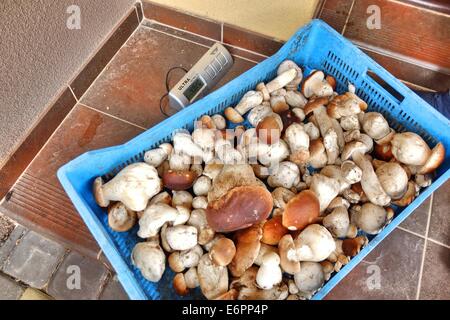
(351, 172)
(328, 132)
(133, 186)
(157, 156)
(258, 113)
(250, 100)
(155, 216)
(315, 243)
(282, 80)
(325, 188)
(269, 274)
(183, 144)
(369, 181)
(289, 64)
(298, 141)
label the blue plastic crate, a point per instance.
(315, 46)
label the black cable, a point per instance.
(168, 89)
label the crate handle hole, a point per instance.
(393, 92)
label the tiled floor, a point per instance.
(413, 262)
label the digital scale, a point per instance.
(203, 76)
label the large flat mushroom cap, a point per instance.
(240, 208)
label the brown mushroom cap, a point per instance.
(314, 104)
(435, 159)
(222, 252)
(179, 284)
(332, 81)
(301, 210)
(247, 249)
(273, 231)
(240, 208)
(232, 115)
(120, 218)
(268, 130)
(351, 247)
(383, 151)
(288, 117)
(178, 180)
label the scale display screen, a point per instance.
(194, 88)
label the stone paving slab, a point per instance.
(9, 289)
(10, 243)
(77, 278)
(34, 260)
(114, 290)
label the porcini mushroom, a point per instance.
(393, 179)
(315, 243)
(338, 222)
(325, 188)
(369, 181)
(285, 175)
(181, 260)
(247, 249)
(301, 210)
(289, 64)
(213, 279)
(375, 125)
(222, 252)
(371, 218)
(409, 148)
(281, 80)
(250, 100)
(133, 186)
(181, 237)
(157, 156)
(120, 218)
(316, 85)
(273, 230)
(199, 221)
(298, 141)
(309, 279)
(285, 246)
(269, 274)
(149, 258)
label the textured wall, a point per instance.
(276, 18)
(38, 54)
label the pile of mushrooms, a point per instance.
(271, 198)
